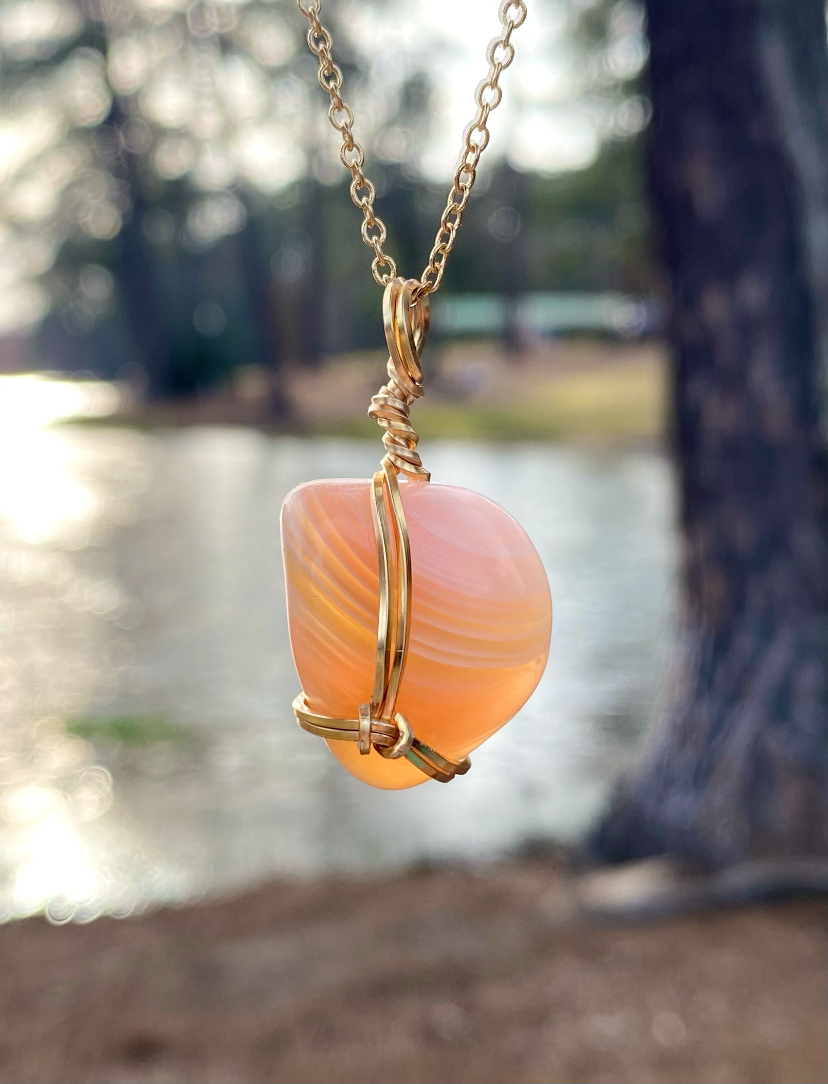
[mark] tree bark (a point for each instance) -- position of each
(737, 771)
(261, 297)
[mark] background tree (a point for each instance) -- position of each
(737, 171)
(173, 205)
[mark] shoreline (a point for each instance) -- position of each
(590, 392)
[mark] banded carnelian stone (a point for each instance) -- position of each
(481, 615)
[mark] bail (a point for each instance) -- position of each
(379, 727)
(405, 317)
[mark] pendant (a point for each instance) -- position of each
(419, 614)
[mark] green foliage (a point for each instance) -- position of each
(147, 203)
(139, 730)
(618, 403)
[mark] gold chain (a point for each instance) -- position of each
(500, 54)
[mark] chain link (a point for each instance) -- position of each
(500, 54)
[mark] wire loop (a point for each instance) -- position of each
(379, 726)
(406, 326)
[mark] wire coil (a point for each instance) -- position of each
(406, 324)
(378, 725)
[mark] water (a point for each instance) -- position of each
(148, 751)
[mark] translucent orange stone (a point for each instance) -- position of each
(481, 615)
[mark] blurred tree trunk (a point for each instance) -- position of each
(136, 279)
(261, 297)
(135, 271)
(514, 185)
(737, 149)
(312, 301)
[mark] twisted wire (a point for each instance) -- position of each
(379, 726)
(406, 326)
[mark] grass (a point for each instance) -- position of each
(139, 730)
(615, 404)
(592, 391)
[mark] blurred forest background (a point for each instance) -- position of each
(174, 213)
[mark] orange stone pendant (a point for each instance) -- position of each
(481, 615)
(419, 614)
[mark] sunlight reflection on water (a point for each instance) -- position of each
(147, 749)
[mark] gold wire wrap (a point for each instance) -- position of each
(379, 726)
(406, 327)
(405, 316)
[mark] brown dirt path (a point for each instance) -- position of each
(437, 977)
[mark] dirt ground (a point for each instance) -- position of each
(436, 976)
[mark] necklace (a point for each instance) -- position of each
(419, 615)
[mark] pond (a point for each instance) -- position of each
(148, 751)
